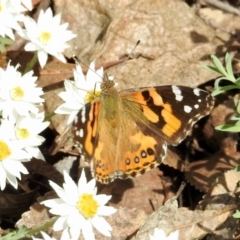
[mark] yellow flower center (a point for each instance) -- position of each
(45, 37)
(87, 205)
(1, 8)
(91, 95)
(17, 93)
(22, 133)
(5, 151)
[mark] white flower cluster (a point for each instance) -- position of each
(79, 207)
(46, 36)
(20, 124)
(20, 98)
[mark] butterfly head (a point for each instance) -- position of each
(106, 84)
(96, 92)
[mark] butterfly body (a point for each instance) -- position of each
(125, 133)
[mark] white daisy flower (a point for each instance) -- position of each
(79, 208)
(11, 156)
(80, 91)
(26, 130)
(18, 94)
(46, 36)
(160, 234)
(9, 14)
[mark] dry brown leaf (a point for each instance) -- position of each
(164, 39)
(129, 193)
(55, 72)
(220, 19)
(223, 191)
(86, 18)
(36, 216)
(191, 224)
(125, 222)
(223, 194)
(173, 160)
(220, 115)
(217, 204)
(170, 52)
(203, 173)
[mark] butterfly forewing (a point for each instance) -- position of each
(170, 111)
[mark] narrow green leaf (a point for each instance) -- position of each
(228, 61)
(235, 118)
(228, 128)
(213, 69)
(237, 82)
(223, 89)
(16, 235)
(218, 65)
(216, 84)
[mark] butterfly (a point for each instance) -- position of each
(124, 134)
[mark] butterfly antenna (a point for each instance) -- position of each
(128, 57)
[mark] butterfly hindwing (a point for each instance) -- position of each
(85, 129)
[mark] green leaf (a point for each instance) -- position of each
(223, 89)
(228, 128)
(235, 118)
(237, 123)
(219, 65)
(237, 169)
(213, 69)
(217, 82)
(18, 234)
(236, 214)
(6, 41)
(228, 61)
